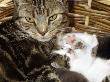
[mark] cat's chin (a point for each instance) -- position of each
(43, 39)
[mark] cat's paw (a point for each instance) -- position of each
(67, 60)
(60, 61)
(53, 78)
(106, 79)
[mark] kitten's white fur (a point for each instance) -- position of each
(83, 60)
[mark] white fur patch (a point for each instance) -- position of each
(82, 59)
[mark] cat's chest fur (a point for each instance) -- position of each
(23, 51)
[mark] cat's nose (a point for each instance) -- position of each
(42, 31)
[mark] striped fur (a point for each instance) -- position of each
(27, 40)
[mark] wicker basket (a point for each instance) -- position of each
(92, 16)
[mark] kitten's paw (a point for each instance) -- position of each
(106, 79)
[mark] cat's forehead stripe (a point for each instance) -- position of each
(40, 3)
(46, 7)
(41, 8)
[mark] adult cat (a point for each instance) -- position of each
(27, 40)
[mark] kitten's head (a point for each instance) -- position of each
(80, 43)
(41, 19)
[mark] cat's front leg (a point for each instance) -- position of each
(106, 79)
(60, 61)
(43, 74)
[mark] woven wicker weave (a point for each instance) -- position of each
(92, 16)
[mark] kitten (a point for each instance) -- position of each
(81, 49)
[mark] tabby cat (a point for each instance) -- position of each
(27, 40)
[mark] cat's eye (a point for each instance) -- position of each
(29, 19)
(53, 17)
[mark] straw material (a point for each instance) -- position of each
(92, 16)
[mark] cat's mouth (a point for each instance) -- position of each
(47, 37)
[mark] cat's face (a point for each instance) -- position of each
(42, 19)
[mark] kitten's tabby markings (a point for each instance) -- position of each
(27, 40)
